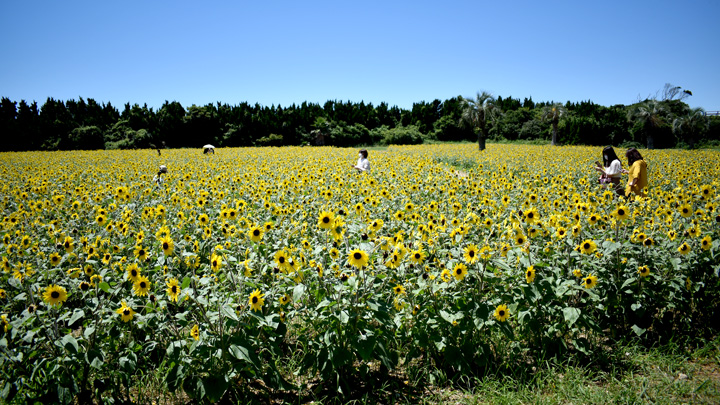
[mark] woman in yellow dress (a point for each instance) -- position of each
(637, 175)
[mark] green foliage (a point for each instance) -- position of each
(409, 135)
(338, 123)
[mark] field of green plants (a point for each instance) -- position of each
(257, 271)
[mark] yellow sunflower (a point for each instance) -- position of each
(358, 258)
(501, 313)
(173, 289)
(326, 220)
(471, 254)
(256, 300)
(255, 234)
(141, 286)
(126, 313)
(530, 274)
(167, 245)
(54, 295)
(590, 281)
(588, 246)
(459, 271)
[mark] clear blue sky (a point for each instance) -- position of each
(399, 52)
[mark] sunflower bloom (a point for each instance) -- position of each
(215, 262)
(621, 212)
(399, 289)
(142, 286)
(126, 313)
(471, 254)
(590, 281)
(459, 271)
(358, 258)
(133, 272)
(173, 289)
(706, 243)
(54, 295)
(530, 274)
(644, 271)
(684, 248)
(588, 246)
(255, 234)
(256, 300)
(501, 313)
(326, 220)
(167, 245)
(195, 332)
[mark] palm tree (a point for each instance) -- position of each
(650, 115)
(691, 126)
(477, 112)
(553, 113)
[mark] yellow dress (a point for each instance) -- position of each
(638, 171)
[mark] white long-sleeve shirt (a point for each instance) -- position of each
(363, 165)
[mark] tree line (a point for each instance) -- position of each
(87, 124)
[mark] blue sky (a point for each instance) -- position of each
(399, 52)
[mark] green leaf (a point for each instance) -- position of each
(638, 330)
(88, 331)
(344, 317)
(215, 387)
(94, 358)
(186, 283)
(298, 292)
(69, 343)
(174, 377)
(229, 311)
(635, 306)
(77, 314)
(104, 286)
(571, 315)
(240, 353)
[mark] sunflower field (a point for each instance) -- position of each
(273, 269)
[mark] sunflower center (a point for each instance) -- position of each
(501, 313)
(621, 212)
(55, 295)
(256, 233)
(586, 246)
(166, 246)
(357, 256)
(173, 289)
(326, 220)
(471, 253)
(281, 259)
(254, 300)
(126, 311)
(143, 285)
(458, 271)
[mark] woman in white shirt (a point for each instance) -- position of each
(363, 164)
(611, 169)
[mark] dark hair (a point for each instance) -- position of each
(610, 152)
(633, 155)
(364, 153)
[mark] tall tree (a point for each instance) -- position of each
(649, 115)
(691, 127)
(553, 113)
(477, 112)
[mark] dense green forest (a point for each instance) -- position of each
(87, 124)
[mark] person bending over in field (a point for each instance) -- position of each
(158, 177)
(363, 164)
(610, 170)
(637, 175)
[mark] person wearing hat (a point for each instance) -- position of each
(158, 177)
